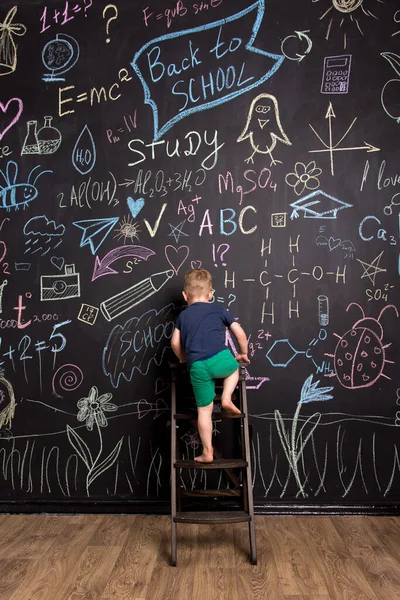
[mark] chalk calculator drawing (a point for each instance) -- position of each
(214, 78)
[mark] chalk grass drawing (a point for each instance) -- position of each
(304, 177)
(8, 48)
(294, 442)
(360, 357)
(92, 410)
(263, 127)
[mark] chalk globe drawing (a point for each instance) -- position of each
(360, 356)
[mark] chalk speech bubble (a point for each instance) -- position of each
(212, 68)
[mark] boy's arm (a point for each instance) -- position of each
(176, 345)
(241, 337)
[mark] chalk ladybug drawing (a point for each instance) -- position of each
(15, 194)
(360, 356)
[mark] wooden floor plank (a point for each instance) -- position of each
(134, 568)
(12, 572)
(93, 571)
(342, 575)
(51, 575)
(118, 557)
(368, 550)
(297, 573)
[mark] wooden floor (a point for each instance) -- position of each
(104, 557)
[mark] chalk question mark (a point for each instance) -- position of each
(224, 248)
(233, 299)
(108, 40)
(87, 5)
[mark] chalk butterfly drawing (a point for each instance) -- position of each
(14, 195)
(360, 356)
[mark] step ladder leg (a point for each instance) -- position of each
(173, 471)
(248, 483)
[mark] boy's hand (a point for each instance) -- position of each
(242, 358)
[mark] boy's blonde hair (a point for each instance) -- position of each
(197, 282)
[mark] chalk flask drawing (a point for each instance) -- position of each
(8, 48)
(120, 303)
(45, 141)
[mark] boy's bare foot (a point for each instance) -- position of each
(230, 408)
(204, 458)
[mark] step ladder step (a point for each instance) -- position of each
(220, 463)
(211, 493)
(222, 516)
(216, 416)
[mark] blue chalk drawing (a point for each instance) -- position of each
(95, 231)
(84, 152)
(318, 205)
(278, 59)
(135, 206)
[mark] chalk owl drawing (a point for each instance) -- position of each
(360, 356)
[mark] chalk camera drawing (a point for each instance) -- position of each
(60, 287)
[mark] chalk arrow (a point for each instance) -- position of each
(301, 35)
(127, 182)
(367, 147)
(102, 267)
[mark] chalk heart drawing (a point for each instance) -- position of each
(161, 386)
(135, 206)
(161, 407)
(58, 262)
(143, 408)
(334, 243)
(174, 255)
(14, 108)
(196, 264)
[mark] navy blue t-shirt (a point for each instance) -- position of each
(202, 326)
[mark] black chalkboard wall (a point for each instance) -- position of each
(261, 141)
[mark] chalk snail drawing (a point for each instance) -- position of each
(359, 357)
(14, 195)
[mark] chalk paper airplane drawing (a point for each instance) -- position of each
(95, 231)
(318, 205)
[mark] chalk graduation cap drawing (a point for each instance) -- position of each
(318, 205)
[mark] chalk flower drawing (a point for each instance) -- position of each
(304, 177)
(294, 442)
(91, 410)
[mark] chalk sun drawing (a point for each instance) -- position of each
(226, 84)
(360, 356)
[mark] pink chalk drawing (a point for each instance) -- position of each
(360, 357)
(181, 255)
(260, 380)
(14, 117)
(68, 378)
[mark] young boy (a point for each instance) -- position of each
(199, 340)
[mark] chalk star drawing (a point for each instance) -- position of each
(331, 147)
(177, 231)
(372, 269)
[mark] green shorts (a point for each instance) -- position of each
(203, 374)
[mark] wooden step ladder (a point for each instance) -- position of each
(242, 489)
